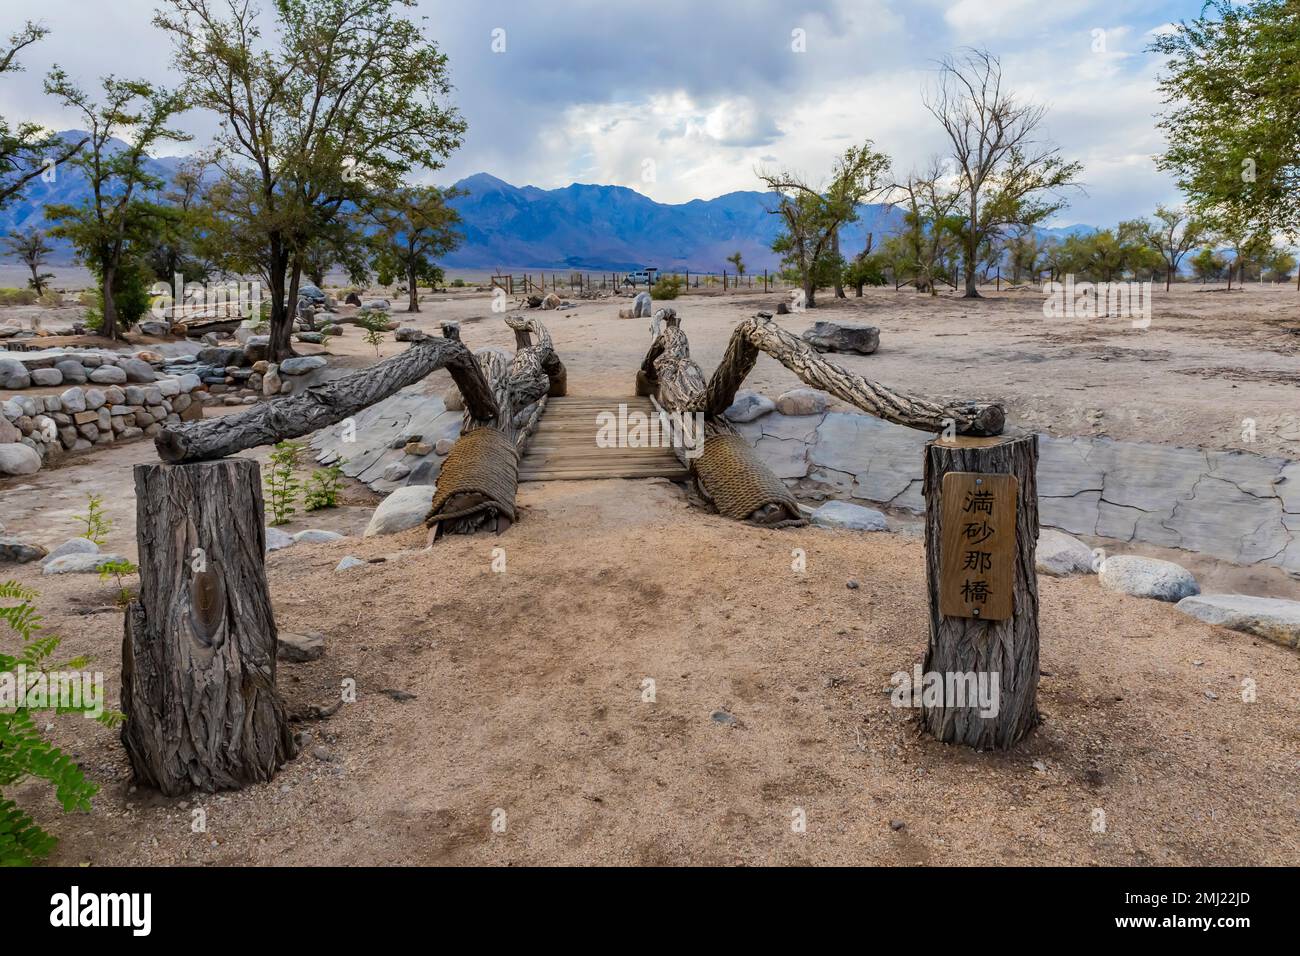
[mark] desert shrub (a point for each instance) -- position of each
(282, 485)
(17, 296)
(24, 751)
(458, 283)
(116, 569)
(322, 489)
(375, 324)
(667, 287)
(50, 299)
(97, 523)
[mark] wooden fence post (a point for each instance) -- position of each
(981, 533)
(198, 654)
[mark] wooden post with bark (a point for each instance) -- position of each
(1003, 545)
(198, 655)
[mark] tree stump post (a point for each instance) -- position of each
(198, 655)
(1005, 649)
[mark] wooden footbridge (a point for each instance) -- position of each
(565, 447)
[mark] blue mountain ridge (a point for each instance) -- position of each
(582, 226)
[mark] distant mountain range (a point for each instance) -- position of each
(581, 226)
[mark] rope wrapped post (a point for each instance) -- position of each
(728, 473)
(979, 553)
(478, 481)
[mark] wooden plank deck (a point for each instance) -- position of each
(564, 445)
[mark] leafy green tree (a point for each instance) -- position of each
(111, 230)
(28, 149)
(29, 247)
(179, 242)
(1278, 264)
(340, 101)
(416, 226)
(931, 224)
(1174, 234)
(1231, 124)
(1208, 265)
(813, 216)
(1006, 176)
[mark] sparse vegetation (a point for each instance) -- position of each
(666, 287)
(96, 522)
(322, 489)
(282, 484)
(116, 569)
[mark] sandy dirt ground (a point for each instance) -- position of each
(770, 685)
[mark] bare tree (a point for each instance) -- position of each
(29, 247)
(1007, 176)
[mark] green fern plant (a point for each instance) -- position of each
(24, 752)
(323, 487)
(96, 521)
(282, 484)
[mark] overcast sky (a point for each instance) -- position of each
(682, 100)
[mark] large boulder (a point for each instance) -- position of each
(317, 536)
(1147, 577)
(802, 401)
(748, 406)
(1271, 618)
(221, 356)
(404, 508)
(13, 374)
(46, 377)
(277, 539)
(642, 305)
(18, 459)
(312, 293)
(848, 337)
(15, 551)
(1060, 555)
(842, 514)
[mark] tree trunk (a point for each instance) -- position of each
(198, 655)
(839, 276)
(280, 346)
(320, 405)
(761, 333)
(809, 294)
(413, 304)
(961, 645)
(109, 328)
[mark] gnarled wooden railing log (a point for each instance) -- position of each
(323, 405)
(519, 388)
(762, 334)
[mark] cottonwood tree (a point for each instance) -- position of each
(931, 220)
(1232, 126)
(813, 216)
(415, 227)
(1007, 176)
(1173, 235)
(29, 247)
(340, 102)
(28, 149)
(109, 229)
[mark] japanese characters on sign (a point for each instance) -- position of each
(978, 546)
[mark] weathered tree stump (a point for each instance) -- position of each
(198, 655)
(1006, 648)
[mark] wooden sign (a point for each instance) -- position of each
(978, 546)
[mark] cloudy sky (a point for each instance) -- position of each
(683, 100)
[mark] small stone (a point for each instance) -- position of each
(1060, 555)
(322, 754)
(748, 405)
(896, 825)
(277, 539)
(418, 449)
(80, 563)
(721, 716)
(395, 472)
(349, 562)
(73, 546)
(403, 509)
(846, 337)
(444, 446)
(317, 536)
(301, 365)
(851, 584)
(46, 377)
(842, 514)
(802, 401)
(19, 459)
(300, 648)
(109, 375)
(1147, 577)
(16, 551)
